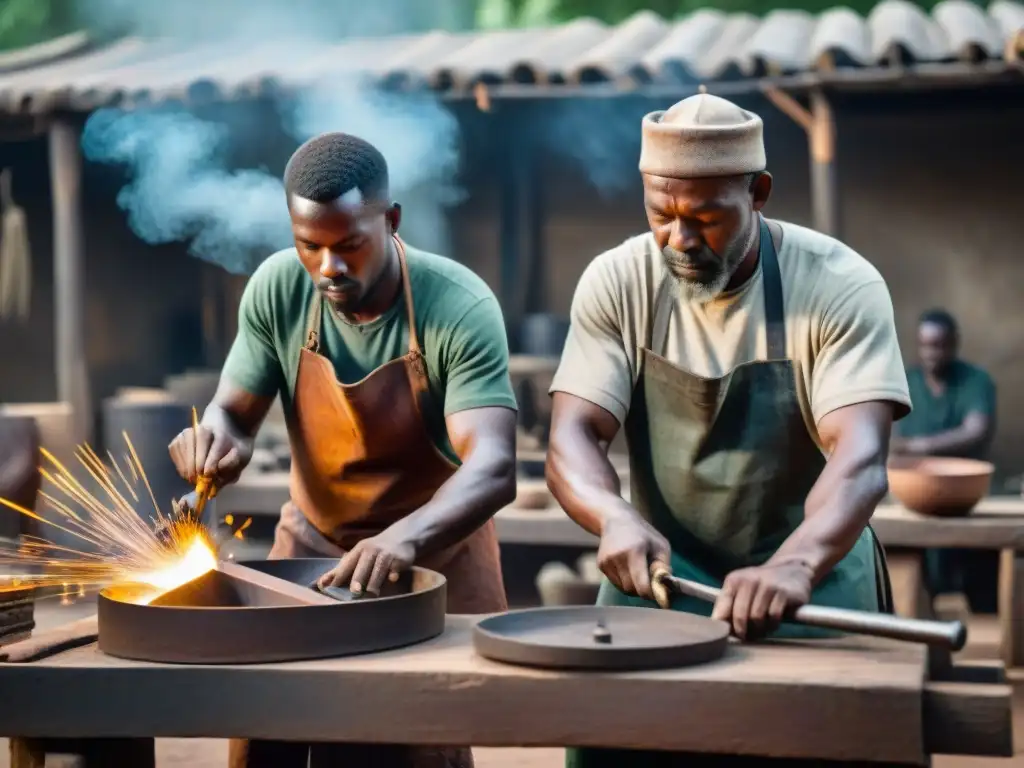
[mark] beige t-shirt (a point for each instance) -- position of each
(840, 331)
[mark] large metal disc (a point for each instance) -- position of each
(600, 637)
(227, 618)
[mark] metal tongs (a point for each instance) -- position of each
(193, 504)
(205, 488)
(948, 635)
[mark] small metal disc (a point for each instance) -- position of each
(598, 637)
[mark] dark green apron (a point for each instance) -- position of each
(722, 468)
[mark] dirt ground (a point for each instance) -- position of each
(212, 753)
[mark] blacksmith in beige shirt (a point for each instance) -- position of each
(754, 367)
(840, 332)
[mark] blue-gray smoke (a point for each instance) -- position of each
(181, 184)
(179, 188)
(601, 137)
(415, 132)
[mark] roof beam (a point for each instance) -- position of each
(819, 124)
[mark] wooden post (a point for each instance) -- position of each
(69, 274)
(27, 753)
(1011, 607)
(824, 185)
(514, 192)
(909, 591)
(819, 124)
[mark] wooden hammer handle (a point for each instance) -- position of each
(951, 635)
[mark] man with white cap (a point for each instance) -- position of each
(754, 367)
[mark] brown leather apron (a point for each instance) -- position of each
(363, 458)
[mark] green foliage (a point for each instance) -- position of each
(26, 22)
(516, 13)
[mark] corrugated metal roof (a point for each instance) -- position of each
(705, 46)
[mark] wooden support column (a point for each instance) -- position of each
(522, 278)
(69, 274)
(1011, 607)
(819, 124)
(909, 591)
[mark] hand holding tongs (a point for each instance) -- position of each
(951, 635)
(205, 488)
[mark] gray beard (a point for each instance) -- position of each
(719, 271)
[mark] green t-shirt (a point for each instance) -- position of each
(969, 390)
(458, 319)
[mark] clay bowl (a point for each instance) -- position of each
(940, 487)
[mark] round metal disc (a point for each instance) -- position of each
(218, 619)
(600, 637)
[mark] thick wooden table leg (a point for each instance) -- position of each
(27, 753)
(1011, 607)
(909, 591)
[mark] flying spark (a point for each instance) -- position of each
(119, 545)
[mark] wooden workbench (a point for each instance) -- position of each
(996, 523)
(848, 699)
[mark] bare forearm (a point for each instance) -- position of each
(585, 484)
(836, 512)
(479, 488)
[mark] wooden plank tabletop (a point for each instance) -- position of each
(996, 523)
(851, 699)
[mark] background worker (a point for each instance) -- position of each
(954, 415)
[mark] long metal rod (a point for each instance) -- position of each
(945, 634)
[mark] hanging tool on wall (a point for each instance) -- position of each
(15, 256)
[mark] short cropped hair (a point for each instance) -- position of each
(941, 318)
(331, 164)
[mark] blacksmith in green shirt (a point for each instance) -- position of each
(392, 367)
(954, 415)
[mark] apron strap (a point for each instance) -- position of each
(313, 324)
(774, 309)
(659, 310)
(883, 583)
(316, 310)
(414, 340)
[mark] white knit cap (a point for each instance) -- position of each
(702, 135)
